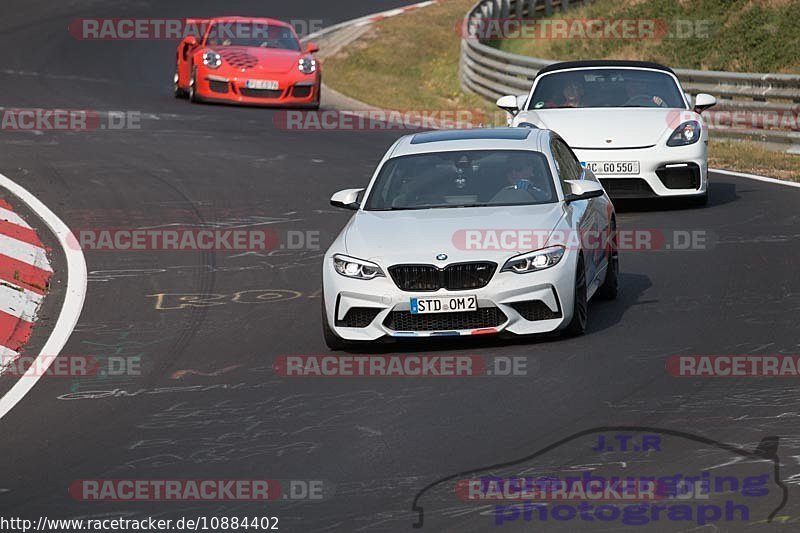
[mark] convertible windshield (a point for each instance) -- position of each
(472, 178)
(255, 34)
(606, 87)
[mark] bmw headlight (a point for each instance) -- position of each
(212, 59)
(686, 133)
(350, 267)
(534, 261)
(307, 65)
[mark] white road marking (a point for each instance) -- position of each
(756, 177)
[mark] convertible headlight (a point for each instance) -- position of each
(686, 133)
(351, 267)
(307, 65)
(534, 261)
(212, 59)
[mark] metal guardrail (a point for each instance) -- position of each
(492, 73)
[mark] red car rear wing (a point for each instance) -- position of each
(196, 27)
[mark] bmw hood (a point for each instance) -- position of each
(462, 234)
(613, 127)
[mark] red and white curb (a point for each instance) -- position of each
(24, 275)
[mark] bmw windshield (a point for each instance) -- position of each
(455, 179)
(606, 87)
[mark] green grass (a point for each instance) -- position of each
(410, 62)
(743, 36)
(750, 157)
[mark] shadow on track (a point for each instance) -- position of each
(719, 193)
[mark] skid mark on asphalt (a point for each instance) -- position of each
(231, 430)
(117, 345)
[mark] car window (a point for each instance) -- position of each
(568, 166)
(252, 34)
(606, 87)
(464, 178)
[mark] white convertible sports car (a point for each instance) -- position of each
(467, 232)
(630, 122)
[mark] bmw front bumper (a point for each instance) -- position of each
(535, 302)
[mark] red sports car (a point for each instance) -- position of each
(256, 61)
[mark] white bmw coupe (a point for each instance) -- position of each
(630, 122)
(468, 232)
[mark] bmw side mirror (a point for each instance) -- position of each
(583, 190)
(312, 48)
(347, 199)
(190, 41)
(703, 101)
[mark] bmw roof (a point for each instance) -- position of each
(484, 134)
(471, 139)
(564, 65)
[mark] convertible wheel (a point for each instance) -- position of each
(581, 309)
(608, 290)
(333, 341)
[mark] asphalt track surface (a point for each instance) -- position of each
(376, 442)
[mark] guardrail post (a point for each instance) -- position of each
(548, 7)
(529, 9)
(519, 6)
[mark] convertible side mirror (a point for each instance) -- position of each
(190, 41)
(583, 190)
(509, 104)
(347, 199)
(312, 48)
(703, 101)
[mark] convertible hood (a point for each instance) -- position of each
(628, 127)
(391, 237)
(265, 60)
